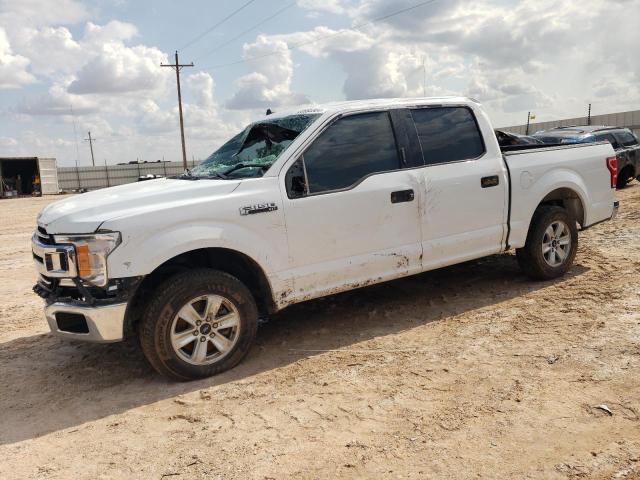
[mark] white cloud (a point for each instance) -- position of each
(52, 50)
(513, 56)
(35, 13)
(57, 101)
(269, 85)
(113, 31)
(119, 69)
(13, 68)
(201, 86)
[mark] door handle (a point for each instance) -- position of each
(492, 181)
(402, 196)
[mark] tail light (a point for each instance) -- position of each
(612, 166)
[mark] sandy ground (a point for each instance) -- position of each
(468, 372)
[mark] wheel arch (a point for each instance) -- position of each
(230, 261)
(569, 199)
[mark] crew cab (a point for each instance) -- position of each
(304, 204)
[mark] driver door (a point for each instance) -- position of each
(351, 210)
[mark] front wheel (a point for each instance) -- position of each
(199, 323)
(551, 246)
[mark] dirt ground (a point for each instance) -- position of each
(467, 372)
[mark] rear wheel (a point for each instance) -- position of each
(551, 245)
(199, 323)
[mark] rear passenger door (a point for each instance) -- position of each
(464, 187)
(351, 209)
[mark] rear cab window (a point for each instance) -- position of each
(448, 134)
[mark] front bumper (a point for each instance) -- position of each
(96, 323)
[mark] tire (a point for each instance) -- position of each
(552, 264)
(187, 304)
(623, 178)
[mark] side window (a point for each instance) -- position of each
(350, 149)
(447, 134)
(626, 138)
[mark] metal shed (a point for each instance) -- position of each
(20, 176)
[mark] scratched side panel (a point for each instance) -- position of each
(341, 240)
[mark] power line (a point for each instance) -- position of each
(309, 42)
(286, 7)
(210, 29)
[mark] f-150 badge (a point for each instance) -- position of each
(258, 208)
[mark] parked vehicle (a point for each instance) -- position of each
(304, 204)
(149, 176)
(623, 140)
(509, 139)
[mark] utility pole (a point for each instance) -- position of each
(528, 120)
(177, 66)
(589, 116)
(90, 140)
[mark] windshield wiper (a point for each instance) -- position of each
(240, 166)
(215, 175)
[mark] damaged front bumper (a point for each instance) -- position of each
(74, 308)
(87, 314)
(97, 323)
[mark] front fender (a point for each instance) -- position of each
(142, 255)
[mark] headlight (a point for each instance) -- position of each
(91, 254)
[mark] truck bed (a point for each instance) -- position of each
(539, 172)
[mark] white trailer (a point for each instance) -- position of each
(48, 169)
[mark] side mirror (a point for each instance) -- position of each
(295, 180)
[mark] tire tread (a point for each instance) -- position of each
(150, 340)
(530, 258)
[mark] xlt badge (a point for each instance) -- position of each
(258, 208)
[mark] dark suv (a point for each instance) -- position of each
(624, 142)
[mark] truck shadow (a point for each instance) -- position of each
(47, 384)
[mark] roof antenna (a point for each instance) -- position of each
(269, 112)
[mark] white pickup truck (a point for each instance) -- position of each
(304, 204)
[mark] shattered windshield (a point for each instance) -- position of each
(252, 151)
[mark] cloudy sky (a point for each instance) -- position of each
(100, 59)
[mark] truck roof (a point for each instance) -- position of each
(355, 105)
(583, 128)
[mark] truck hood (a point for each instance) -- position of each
(84, 213)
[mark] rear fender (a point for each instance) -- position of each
(529, 200)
